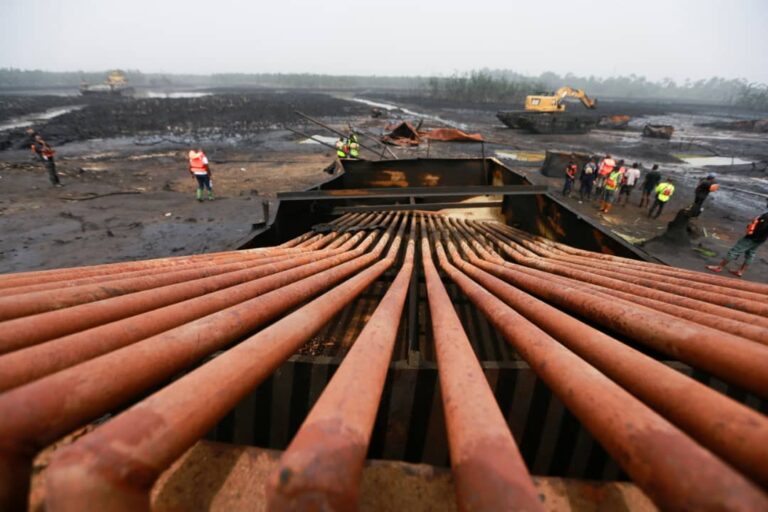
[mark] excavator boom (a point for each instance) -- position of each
(554, 102)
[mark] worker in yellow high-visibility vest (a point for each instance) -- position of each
(662, 193)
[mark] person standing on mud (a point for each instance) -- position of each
(663, 193)
(606, 166)
(342, 147)
(587, 178)
(756, 235)
(570, 176)
(611, 184)
(199, 168)
(649, 184)
(45, 154)
(703, 189)
(354, 146)
(628, 182)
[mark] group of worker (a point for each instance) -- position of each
(607, 176)
(609, 181)
(348, 147)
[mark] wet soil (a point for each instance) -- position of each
(216, 116)
(140, 206)
(127, 193)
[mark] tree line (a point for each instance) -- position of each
(486, 85)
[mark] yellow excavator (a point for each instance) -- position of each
(116, 84)
(546, 113)
(554, 103)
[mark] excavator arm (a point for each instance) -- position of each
(554, 103)
(576, 93)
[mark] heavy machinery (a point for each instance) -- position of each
(546, 113)
(116, 84)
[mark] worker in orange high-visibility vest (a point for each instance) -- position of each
(199, 168)
(663, 193)
(604, 168)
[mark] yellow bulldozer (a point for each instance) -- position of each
(546, 113)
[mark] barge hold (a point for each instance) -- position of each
(414, 334)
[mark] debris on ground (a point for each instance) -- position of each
(404, 134)
(658, 131)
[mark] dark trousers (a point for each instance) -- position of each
(51, 166)
(567, 187)
(203, 181)
(656, 204)
(585, 190)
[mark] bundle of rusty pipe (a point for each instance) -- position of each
(77, 344)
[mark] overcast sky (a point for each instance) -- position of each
(655, 38)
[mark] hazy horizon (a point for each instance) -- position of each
(680, 40)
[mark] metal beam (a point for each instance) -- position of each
(413, 207)
(394, 192)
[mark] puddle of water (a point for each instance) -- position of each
(523, 156)
(703, 161)
(389, 106)
(321, 138)
(173, 95)
(30, 119)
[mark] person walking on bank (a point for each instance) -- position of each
(587, 178)
(628, 183)
(570, 176)
(756, 235)
(44, 153)
(703, 189)
(649, 184)
(199, 168)
(663, 192)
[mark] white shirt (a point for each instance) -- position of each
(632, 176)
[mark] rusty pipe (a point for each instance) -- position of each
(488, 470)
(35, 416)
(653, 267)
(651, 277)
(732, 358)
(38, 302)
(676, 472)
(163, 310)
(113, 468)
(72, 273)
(518, 255)
(745, 330)
(104, 279)
(321, 468)
(741, 301)
(730, 429)
(17, 306)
